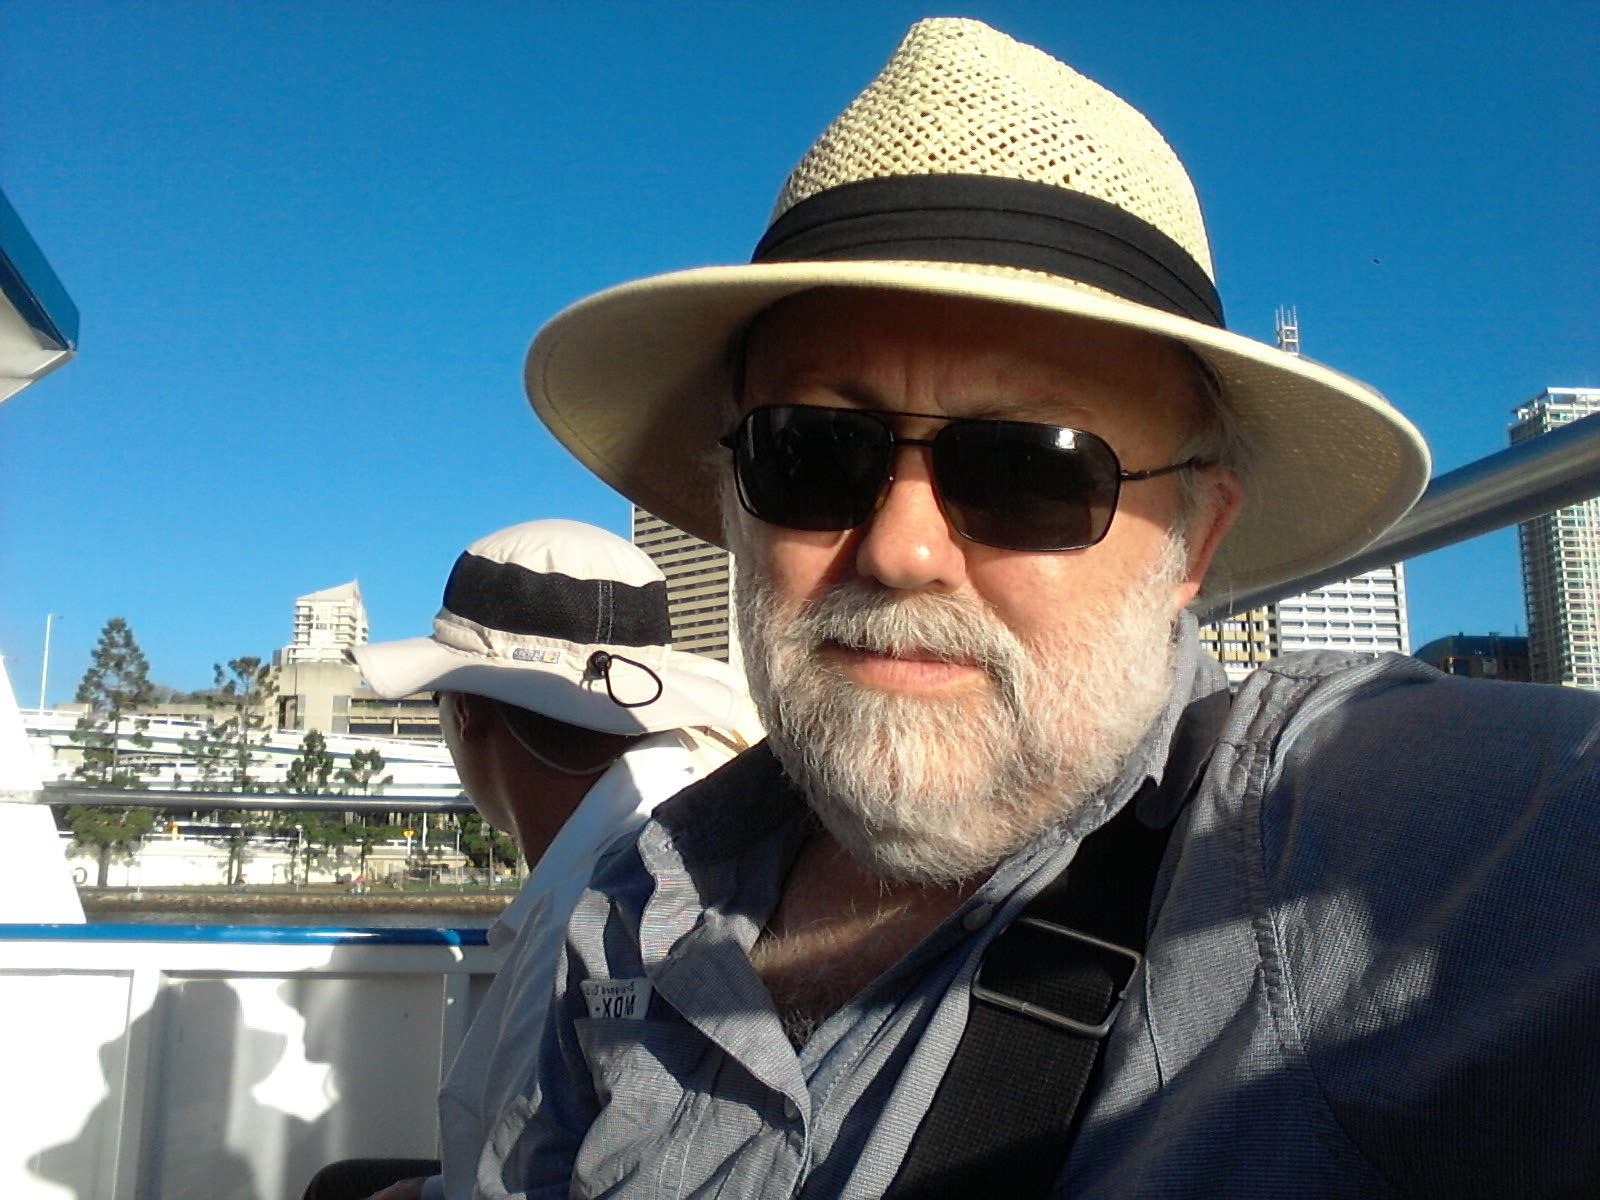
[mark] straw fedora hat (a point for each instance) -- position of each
(568, 621)
(975, 166)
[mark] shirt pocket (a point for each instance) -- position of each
(644, 1075)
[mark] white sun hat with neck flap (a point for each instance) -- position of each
(975, 166)
(568, 621)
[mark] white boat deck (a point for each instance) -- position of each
(147, 1062)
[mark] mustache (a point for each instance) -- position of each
(863, 616)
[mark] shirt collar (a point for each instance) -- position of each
(650, 770)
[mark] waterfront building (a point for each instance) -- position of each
(421, 766)
(1479, 656)
(1561, 558)
(699, 587)
(318, 687)
(333, 698)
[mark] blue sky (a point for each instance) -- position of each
(311, 241)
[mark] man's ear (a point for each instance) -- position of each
(1224, 496)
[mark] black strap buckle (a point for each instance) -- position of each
(1122, 961)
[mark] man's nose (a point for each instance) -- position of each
(908, 544)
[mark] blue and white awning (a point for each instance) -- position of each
(38, 320)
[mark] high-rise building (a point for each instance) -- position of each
(1561, 559)
(699, 587)
(1242, 642)
(1366, 614)
(326, 624)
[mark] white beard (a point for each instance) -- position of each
(931, 790)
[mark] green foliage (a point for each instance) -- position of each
(243, 826)
(169, 695)
(109, 830)
(324, 836)
(484, 845)
(365, 833)
(310, 836)
(309, 773)
(363, 771)
(115, 687)
(224, 751)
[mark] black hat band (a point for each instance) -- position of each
(998, 222)
(589, 612)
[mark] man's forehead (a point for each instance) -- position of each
(999, 361)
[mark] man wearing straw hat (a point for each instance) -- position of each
(569, 718)
(1013, 901)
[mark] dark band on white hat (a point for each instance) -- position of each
(513, 599)
(999, 222)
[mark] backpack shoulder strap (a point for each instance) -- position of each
(1047, 993)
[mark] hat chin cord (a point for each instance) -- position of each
(555, 766)
(599, 667)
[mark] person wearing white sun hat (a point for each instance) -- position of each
(1015, 900)
(569, 718)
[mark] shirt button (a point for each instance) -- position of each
(791, 1110)
(977, 918)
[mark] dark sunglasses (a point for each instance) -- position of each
(1013, 485)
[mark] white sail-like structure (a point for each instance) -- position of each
(36, 885)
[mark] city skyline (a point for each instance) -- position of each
(310, 244)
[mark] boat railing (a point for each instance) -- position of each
(1534, 477)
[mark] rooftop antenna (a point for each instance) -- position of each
(1287, 321)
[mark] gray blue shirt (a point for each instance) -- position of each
(1374, 970)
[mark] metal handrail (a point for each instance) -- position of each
(1527, 480)
(176, 801)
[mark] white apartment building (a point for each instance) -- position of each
(326, 624)
(1366, 614)
(1561, 559)
(318, 687)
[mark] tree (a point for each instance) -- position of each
(108, 829)
(309, 773)
(484, 845)
(363, 771)
(242, 828)
(115, 687)
(367, 835)
(224, 751)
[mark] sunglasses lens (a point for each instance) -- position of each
(1020, 486)
(811, 468)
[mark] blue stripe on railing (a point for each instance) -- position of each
(277, 935)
